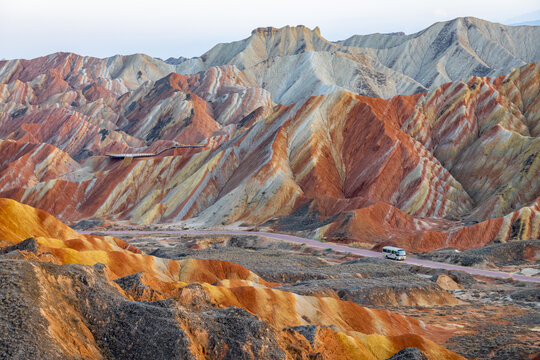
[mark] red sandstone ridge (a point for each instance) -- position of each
(454, 167)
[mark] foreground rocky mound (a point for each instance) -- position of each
(68, 295)
(495, 319)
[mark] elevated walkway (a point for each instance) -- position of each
(144, 155)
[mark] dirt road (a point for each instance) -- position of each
(342, 248)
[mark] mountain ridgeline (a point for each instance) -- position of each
(380, 65)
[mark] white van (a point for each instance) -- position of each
(394, 253)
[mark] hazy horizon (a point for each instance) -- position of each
(165, 28)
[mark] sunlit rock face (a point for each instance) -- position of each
(99, 297)
(285, 140)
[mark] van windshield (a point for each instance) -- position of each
(401, 252)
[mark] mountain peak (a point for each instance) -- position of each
(270, 30)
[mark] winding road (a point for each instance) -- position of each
(342, 248)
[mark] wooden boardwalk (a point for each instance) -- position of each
(143, 155)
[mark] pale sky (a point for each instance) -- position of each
(165, 28)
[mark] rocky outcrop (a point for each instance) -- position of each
(29, 244)
(409, 354)
(447, 283)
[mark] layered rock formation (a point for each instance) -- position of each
(286, 139)
(453, 167)
(92, 297)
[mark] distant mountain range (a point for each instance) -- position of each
(529, 23)
(531, 19)
(381, 65)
